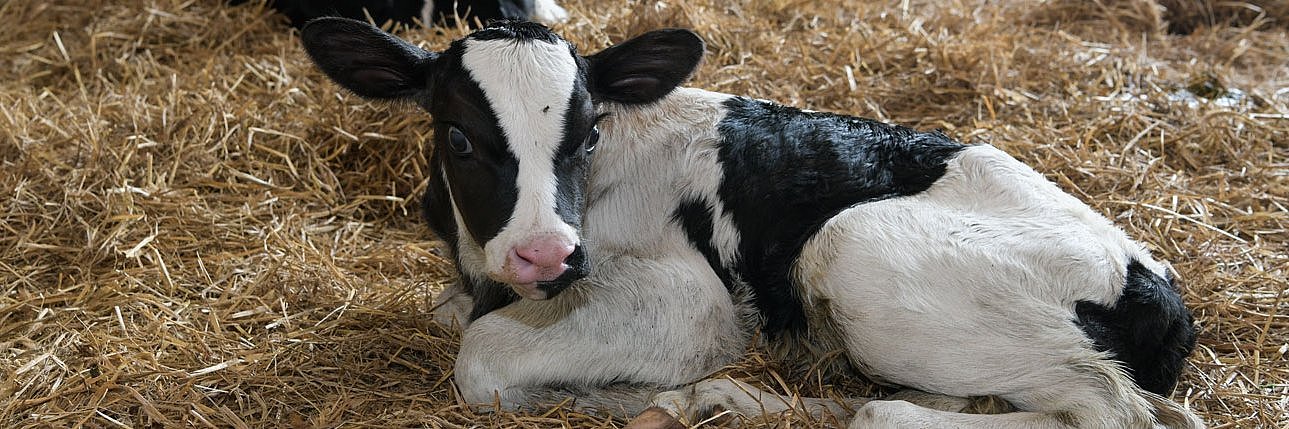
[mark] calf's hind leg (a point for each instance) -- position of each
(700, 400)
(1119, 405)
(703, 399)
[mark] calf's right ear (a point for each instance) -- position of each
(366, 60)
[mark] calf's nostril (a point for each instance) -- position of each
(549, 254)
(521, 257)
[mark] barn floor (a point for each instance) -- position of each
(199, 230)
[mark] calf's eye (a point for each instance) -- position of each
(592, 139)
(458, 142)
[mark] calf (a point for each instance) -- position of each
(651, 229)
(413, 12)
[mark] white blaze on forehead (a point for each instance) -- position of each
(528, 84)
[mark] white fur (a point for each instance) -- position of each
(978, 277)
(452, 306)
(701, 179)
(665, 154)
(548, 12)
(989, 220)
(528, 84)
(632, 321)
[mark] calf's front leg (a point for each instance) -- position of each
(452, 306)
(608, 345)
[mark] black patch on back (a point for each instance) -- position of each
(1148, 328)
(787, 171)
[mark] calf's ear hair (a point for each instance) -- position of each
(366, 60)
(646, 68)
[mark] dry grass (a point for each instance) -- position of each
(199, 230)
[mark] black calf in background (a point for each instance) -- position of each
(407, 12)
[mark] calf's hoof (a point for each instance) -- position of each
(654, 418)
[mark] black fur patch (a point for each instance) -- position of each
(571, 163)
(787, 171)
(381, 11)
(436, 207)
(1148, 329)
(488, 296)
(646, 68)
(515, 29)
(406, 12)
(481, 10)
(695, 217)
(484, 182)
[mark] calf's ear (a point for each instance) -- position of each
(366, 60)
(646, 68)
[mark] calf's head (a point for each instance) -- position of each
(515, 112)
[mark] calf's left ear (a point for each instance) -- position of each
(646, 68)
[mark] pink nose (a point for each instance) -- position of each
(540, 260)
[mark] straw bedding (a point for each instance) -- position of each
(199, 230)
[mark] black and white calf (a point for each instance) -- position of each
(652, 229)
(412, 12)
